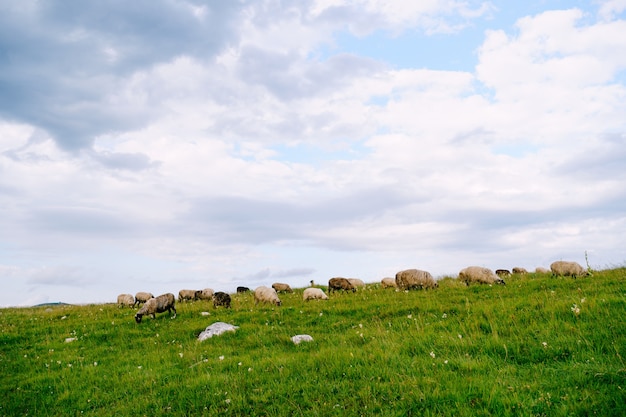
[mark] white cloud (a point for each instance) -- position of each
(611, 8)
(257, 159)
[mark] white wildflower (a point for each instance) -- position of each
(544, 344)
(221, 357)
(444, 315)
(410, 316)
(576, 309)
(432, 354)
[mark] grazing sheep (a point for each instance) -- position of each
(414, 278)
(388, 282)
(125, 300)
(503, 272)
(519, 270)
(243, 289)
(184, 295)
(206, 294)
(280, 287)
(221, 299)
(266, 295)
(314, 294)
(142, 297)
(357, 283)
(479, 275)
(337, 283)
(542, 270)
(160, 304)
(564, 268)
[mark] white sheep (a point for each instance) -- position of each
(388, 282)
(142, 297)
(415, 278)
(160, 304)
(357, 283)
(125, 300)
(479, 275)
(542, 270)
(314, 294)
(206, 294)
(266, 295)
(519, 270)
(564, 268)
(184, 295)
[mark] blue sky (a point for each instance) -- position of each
(167, 145)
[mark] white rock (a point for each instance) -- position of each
(301, 338)
(216, 329)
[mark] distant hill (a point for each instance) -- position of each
(51, 304)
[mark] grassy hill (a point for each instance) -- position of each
(539, 346)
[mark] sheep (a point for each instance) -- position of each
(388, 282)
(564, 268)
(480, 275)
(338, 283)
(221, 299)
(206, 294)
(266, 295)
(184, 295)
(541, 270)
(243, 289)
(414, 278)
(160, 304)
(357, 283)
(142, 297)
(503, 272)
(519, 270)
(280, 287)
(314, 294)
(125, 300)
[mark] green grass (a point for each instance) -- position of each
(514, 350)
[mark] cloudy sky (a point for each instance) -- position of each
(160, 145)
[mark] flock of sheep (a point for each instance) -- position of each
(404, 280)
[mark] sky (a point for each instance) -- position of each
(170, 144)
